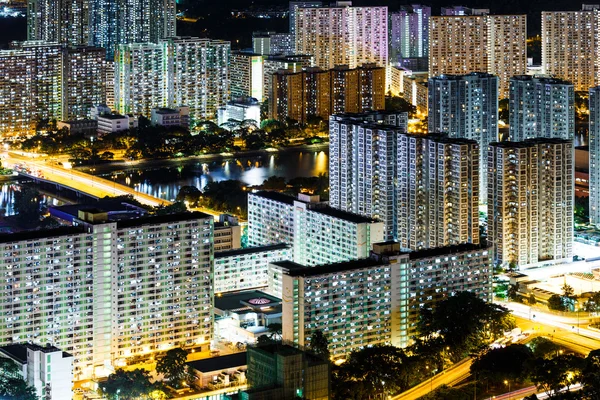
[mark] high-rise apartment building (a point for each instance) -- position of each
(530, 201)
(343, 35)
(362, 165)
(375, 300)
(496, 44)
(409, 33)
(294, 6)
(245, 269)
(318, 233)
(84, 86)
(466, 106)
(438, 191)
(272, 64)
(180, 71)
(594, 155)
(271, 43)
(101, 23)
(541, 107)
(246, 75)
(314, 91)
(570, 47)
(31, 86)
(109, 288)
(64, 22)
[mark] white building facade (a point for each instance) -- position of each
(466, 106)
(318, 233)
(541, 108)
(594, 144)
(116, 288)
(530, 202)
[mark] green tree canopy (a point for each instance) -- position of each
(127, 385)
(319, 344)
(173, 366)
(502, 364)
(12, 385)
(27, 205)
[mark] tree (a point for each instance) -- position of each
(176, 208)
(567, 291)
(502, 364)
(555, 302)
(27, 205)
(513, 291)
(127, 385)
(480, 322)
(319, 344)
(543, 348)
(590, 376)
(275, 332)
(374, 371)
(274, 183)
(12, 385)
(532, 300)
(173, 366)
(551, 375)
(191, 194)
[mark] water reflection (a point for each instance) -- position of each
(7, 199)
(164, 182)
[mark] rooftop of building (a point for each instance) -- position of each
(440, 251)
(162, 219)
(542, 79)
(111, 116)
(289, 265)
(320, 207)
(248, 301)
(103, 205)
(450, 77)
(251, 250)
(18, 351)
(529, 142)
(165, 111)
(40, 234)
(334, 267)
(219, 363)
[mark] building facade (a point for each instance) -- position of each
(530, 202)
(101, 23)
(343, 35)
(570, 47)
(316, 92)
(409, 33)
(47, 369)
(84, 68)
(438, 191)
(375, 300)
(496, 44)
(541, 108)
(115, 289)
(180, 71)
(246, 269)
(246, 72)
(466, 106)
(362, 167)
(594, 155)
(317, 233)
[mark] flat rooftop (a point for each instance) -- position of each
(251, 250)
(219, 363)
(111, 116)
(315, 207)
(40, 234)
(162, 219)
(336, 267)
(250, 299)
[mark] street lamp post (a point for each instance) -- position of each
(506, 382)
(118, 391)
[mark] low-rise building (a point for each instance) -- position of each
(86, 127)
(285, 372)
(179, 116)
(242, 109)
(228, 233)
(222, 372)
(240, 318)
(244, 269)
(108, 123)
(46, 368)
